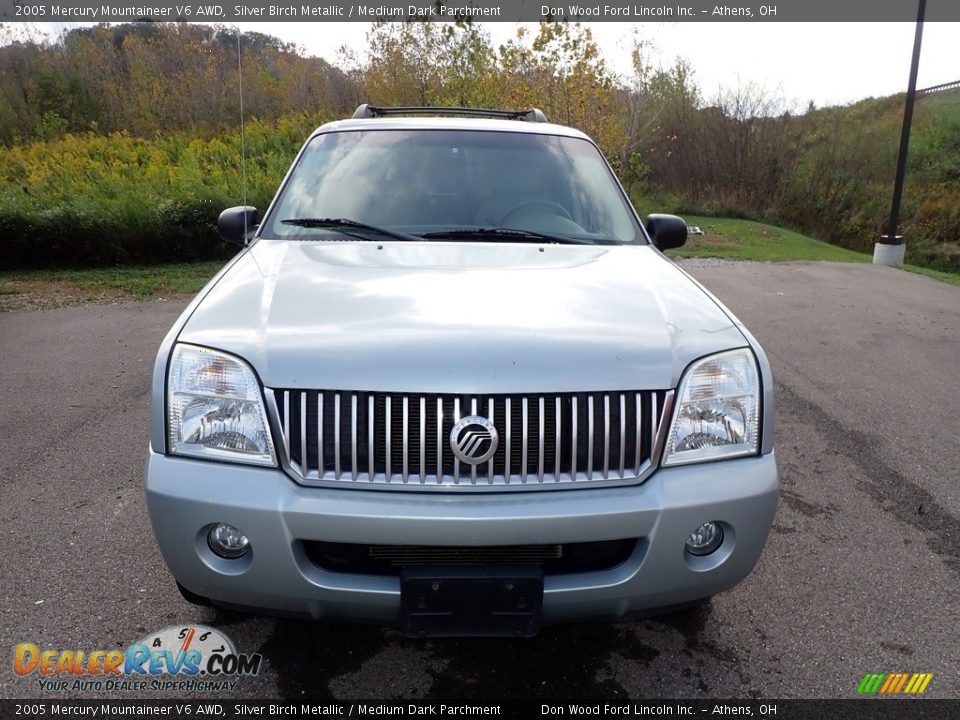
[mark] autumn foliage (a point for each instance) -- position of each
(121, 144)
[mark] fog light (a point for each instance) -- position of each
(705, 539)
(228, 542)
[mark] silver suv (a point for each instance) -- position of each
(451, 384)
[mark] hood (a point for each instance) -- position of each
(460, 317)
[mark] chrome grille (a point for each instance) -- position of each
(402, 440)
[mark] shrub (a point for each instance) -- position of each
(90, 200)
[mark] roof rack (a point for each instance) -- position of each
(372, 111)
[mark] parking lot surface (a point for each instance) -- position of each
(860, 573)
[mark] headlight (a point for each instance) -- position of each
(717, 411)
(215, 408)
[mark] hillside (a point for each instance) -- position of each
(120, 144)
(943, 105)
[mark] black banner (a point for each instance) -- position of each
(858, 11)
(862, 709)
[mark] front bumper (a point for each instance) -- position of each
(185, 497)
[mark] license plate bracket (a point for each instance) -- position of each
(482, 601)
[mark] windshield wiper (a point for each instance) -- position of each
(499, 233)
(345, 225)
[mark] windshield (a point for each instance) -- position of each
(444, 183)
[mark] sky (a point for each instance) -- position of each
(826, 63)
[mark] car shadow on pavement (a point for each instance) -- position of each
(320, 660)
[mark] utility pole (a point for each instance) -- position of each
(890, 249)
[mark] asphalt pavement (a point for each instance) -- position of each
(860, 573)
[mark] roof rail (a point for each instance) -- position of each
(373, 111)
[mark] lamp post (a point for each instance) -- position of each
(890, 249)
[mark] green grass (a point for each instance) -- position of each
(135, 281)
(952, 278)
(733, 239)
(32, 289)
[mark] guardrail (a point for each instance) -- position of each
(940, 88)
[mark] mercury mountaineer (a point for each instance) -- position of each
(451, 384)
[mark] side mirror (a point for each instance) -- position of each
(238, 224)
(667, 231)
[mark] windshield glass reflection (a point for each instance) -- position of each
(428, 181)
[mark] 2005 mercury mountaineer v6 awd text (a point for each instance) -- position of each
(451, 385)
